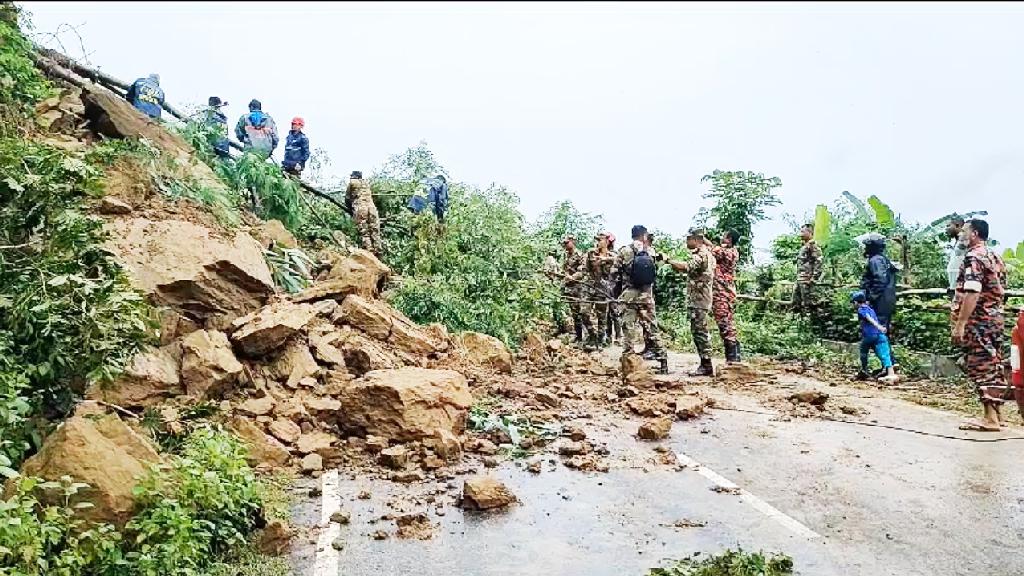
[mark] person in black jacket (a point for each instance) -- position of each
(879, 280)
(296, 148)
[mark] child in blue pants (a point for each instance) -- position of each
(872, 337)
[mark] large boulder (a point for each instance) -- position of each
(107, 456)
(263, 449)
(208, 365)
(371, 316)
(268, 329)
(360, 271)
(488, 351)
(406, 404)
(111, 115)
(186, 266)
(363, 355)
(295, 363)
(151, 378)
(273, 232)
(382, 322)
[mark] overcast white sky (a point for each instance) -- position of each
(619, 107)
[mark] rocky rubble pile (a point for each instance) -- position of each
(303, 379)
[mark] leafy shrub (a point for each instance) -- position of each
(67, 312)
(193, 515)
(21, 84)
(206, 502)
(730, 563)
(49, 540)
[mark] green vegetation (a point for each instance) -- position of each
(68, 316)
(729, 563)
(21, 84)
(479, 270)
(194, 518)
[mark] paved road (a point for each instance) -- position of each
(841, 499)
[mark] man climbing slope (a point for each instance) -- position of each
(359, 198)
(296, 148)
(257, 131)
(146, 95)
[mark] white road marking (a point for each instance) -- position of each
(327, 558)
(765, 508)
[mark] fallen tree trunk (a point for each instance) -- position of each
(99, 77)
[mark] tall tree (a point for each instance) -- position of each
(740, 201)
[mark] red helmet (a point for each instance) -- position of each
(298, 121)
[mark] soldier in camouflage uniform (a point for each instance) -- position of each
(599, 262)
(700, 274)
(723, 302)
(574, 274)
(977, 320)
(359, 199)
(808, 298)
(637, 302)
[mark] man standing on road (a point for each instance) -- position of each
(635, 269)
(957, 250)
(700, 273)
(807, 298)
(359, 198)
(977, 321)
(599, 262)
(723, 304)
(574, 272)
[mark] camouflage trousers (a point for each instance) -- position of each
(722, 308)
(983, 356)
(596, 315)
(809, 300)
(699, 331)
(368, 225)
(638, 316)
(578, 310)
(613, 328)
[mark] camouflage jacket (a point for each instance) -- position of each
(982, 271)
(700, 274)
(599, 268)
(575, 271)
(809, 263)
(725, 270)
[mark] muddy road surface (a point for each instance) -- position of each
(840, 498)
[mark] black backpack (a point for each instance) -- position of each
(642, 271)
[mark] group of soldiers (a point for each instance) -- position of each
(603, 287)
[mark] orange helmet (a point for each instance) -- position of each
(298, 121)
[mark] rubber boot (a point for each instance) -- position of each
(579, 332)
(737, 354)
(663, 366)
(730, 352)
(705, 368)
